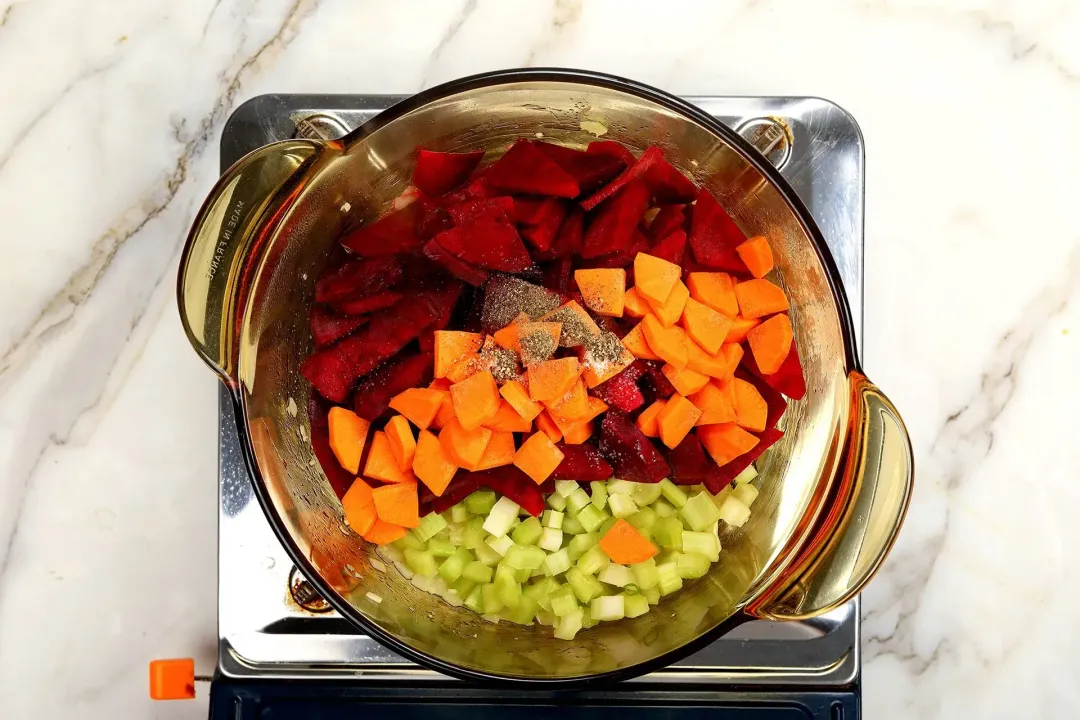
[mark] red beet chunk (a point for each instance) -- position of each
(527, 210)
(432, 219)
(506, 480)
(634, 172)
(340, 478)
(726, 474)
(358, 278)
(526, 170)
(590, 170)
(612, 149)
(458, 268)
(668, 220)
(487, 244)
(373, 394)
(363, 305)
(334, 370)
(689, 463)
(668, 184)
(391, 234)
(463, 485)
(440, 172)
(559, 275)
(505, 296)
(671, 248)
(427, 337)
(582, 462)
(547, 220)
(568, 239)
(499, 209)
(714, 235)
(632, 455)
(612, 229)
(327, 328)
(656, 379)
(789, 379)
(621, 392)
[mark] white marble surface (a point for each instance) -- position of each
(109, 124)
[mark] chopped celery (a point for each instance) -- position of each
(699, 512)
(585, 587)
(541, 591)
(490, 598)
(572, 526)
(509, 592)
(480, 502)
(569, 625)
(635, 605)
(645, 493)
(745, 493)
(551, 539)
(669, 578)
(607, 526)
(598, 497)
(577, 500)
(591, 518)
(409, 541)
(477, 571)
(557, 562)
(587, 620)
(546, 617)
(692, 565)
(474, 600)
(502, 517)
(734, 512)
(645, 575)
(593, 560)
(652, 595)
(701, 543)
(500, 544)
(463, 586)
(564, 488)
(643, 520)
(524, 557)
(663, 508)
(472, 536)
(563, 601)
(620, 487)
(456, 533)
(421, 562)
(525, 611)
(459, 513)
(610, 607)
(556, 501)
(440, 548)
(622, 506)
(452, 567)
(429, 525)
(553, 519)
(580, 543)
(668, 532)
(487, 555)
(528, 532)
(673, 493)
(746, 476)
(615, 574)
(523, 575)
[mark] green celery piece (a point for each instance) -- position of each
(635, 605)
(409, 541)
(700, 512)
(645, 575)
(429, 525)
(509, 591)
(593, 560)
(528, 532)
(473, 535)
(477, 572)
(585, 587)
(667, 531)
(591, 518)
(525, 612)
(491, 600)
(480, 502)
(645, 493)
(673, 493)
(571, 525)
(598, 496)
(440, 548)
(459, 513)
(475, 599)
(421, 562)
(563, 601)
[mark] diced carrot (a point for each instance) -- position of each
(646, 421)
(669, 343)
(348, 435)
(476, 399)
(419, 405)
(676, 420)
(551, 379)
(770, 342)
(757, 255)
(714, 289)
(464, 447)
(465, 368)
(402, 441)
(573, 405)
(381, 463)
(499, 451)
(685, 381)
(518, 397)
(579, 432)
(538, 457)
(440, 384)
(397, 504)
(359, 507)
(431, 464)
(445, 412)
(453, 345)
(602, 289)
(384, 533)
(726, 441)
(538, 341)
(508, 420)
(635, 342)
(597, 365)
(548, 426)
(740, 328)
(577, 326)
(567, 426)
(715, 365)
(705, 326)
(669, 311)
(624, 544)
(655, 277)
(633, 304)
(733, 355)
(508, 336)
(715, 405)
(758, 298)
(750, 408)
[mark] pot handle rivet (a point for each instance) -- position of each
(770, 136)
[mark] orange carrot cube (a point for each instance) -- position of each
(402, 441)
(756, 255)
(551, 379)
(453, 345)
(348, 436)
(655, 277)
(646, 421)
(538, 457)
(431, 464)
(635, 342)
(397, 504)
(758, 298)
(419, 405)
(676, 419)
(685, 381)
(715, 289)
(602, 289)
(715, 405)
(518, 397)
(670, 311)
(359, 507)
(508, 420)
(476, 399)
(705, 326)
(499, 451)
(770, 342)
(634, 304)
(751, 410)
(726, 441)
(669, 343)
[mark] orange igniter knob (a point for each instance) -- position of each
(172, 679)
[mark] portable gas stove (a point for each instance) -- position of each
(283, 653)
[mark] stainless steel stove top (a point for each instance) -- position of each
(263, 631)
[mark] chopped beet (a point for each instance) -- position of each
(612, 229)
(789, 379)
(506, 296)
(634, 172)
(328, 328)
(671, 248)
(363, 305)
(475, 190)
(775, 402)
(590, 170)
(427, 337)
(548, 220)
(581, 462)
(390, 234)
(440, 172)
(526, 170)
(668, 184)
(432, 219)
(621, 392)
(488, 244)
(463, 485)
(621, 259)
(458, 268)
(500, 209)
(358, 278)
(714, 235)
(340, 478)
(632, 455)
(657, 380)
(506, 480)
(559, 275)
(527, 209)
(612, 149)
(373, 394)
(726, 474)
(335, 369)
(567, 241)
(668, 220)
(689, 463)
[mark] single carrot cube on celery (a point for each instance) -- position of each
(538, 457)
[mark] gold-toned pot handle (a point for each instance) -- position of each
(228, 233)
(861, 518)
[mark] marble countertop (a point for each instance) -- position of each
(112, 110)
